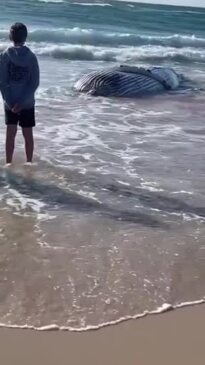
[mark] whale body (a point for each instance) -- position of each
(128, 81)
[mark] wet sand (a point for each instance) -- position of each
(175, 337)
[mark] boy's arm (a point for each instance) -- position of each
(3, 86)
(32, 86)
(0, 71)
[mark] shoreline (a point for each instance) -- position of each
(53, 327)
(175, 337)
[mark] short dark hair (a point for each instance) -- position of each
(18, 33)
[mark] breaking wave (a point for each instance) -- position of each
(80, 36)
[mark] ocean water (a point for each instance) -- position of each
(109, 222)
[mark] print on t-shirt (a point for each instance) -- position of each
(17, 73)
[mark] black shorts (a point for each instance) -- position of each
(26, 118)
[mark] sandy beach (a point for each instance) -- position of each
(175, 337)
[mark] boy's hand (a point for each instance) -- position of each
(16, 109)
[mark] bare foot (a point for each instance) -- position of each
(8, 165)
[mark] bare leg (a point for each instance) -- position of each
(10, 142)
(29, 143)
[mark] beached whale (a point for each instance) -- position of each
(128, 81)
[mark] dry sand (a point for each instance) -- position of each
(173, 338)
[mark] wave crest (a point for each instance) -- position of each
(128, 54)
(80, 36)
(125, 54)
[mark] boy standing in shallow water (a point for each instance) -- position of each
(19, 80)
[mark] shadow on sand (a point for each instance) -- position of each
(55, 197)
